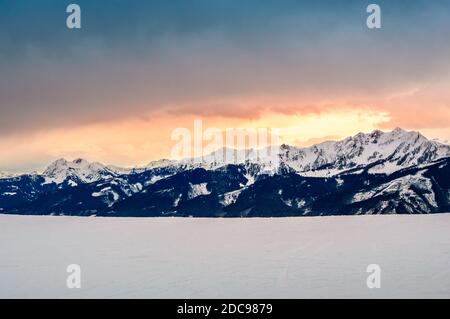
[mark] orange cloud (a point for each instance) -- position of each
(137, 141)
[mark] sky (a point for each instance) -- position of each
(114, 90)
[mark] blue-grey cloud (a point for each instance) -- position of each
(132, 56)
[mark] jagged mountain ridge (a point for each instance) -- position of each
(386, 152)
(394, 172)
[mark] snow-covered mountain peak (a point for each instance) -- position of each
(377, 152)
(160, 163)
(380, 137)
(266, 158)
(386, 151)
(398, 130)
(78, 169)
(63, 164)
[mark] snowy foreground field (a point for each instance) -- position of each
(323, 257)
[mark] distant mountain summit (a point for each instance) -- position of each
(6, 175)
(383, 152)
(374, 173)
(78, 170)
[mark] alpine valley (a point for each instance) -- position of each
(377, 173)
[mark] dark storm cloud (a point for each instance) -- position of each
(134, 57)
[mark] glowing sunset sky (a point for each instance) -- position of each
(114, 90)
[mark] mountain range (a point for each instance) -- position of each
(376, 173)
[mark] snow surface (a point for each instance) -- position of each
(230, 197)
(106, 192)
(319, 257)
(407, 187)
(9, 193)
(198, 190)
